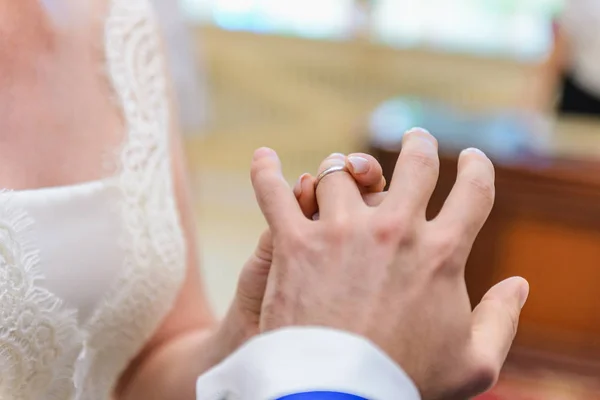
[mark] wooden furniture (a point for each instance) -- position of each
(545, 225)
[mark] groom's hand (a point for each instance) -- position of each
(243, 317)
(387, 273)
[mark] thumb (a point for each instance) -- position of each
(242, 319)
(253, 279)
(494, 325)
(275, 198)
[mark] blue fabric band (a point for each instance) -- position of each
(322, 396)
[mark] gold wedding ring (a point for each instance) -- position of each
(329, 171)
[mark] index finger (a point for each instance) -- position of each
(275, 198)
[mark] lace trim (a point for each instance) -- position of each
(154, 266)
(39, 340)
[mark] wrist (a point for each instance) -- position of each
(235, 329)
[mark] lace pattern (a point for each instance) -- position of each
(154, 266)
(44, 353)
(39, 340)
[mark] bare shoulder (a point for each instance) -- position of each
(58, 119)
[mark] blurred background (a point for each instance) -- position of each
(519, 79)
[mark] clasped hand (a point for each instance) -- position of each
(378, 268)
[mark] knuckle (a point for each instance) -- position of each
(483, 375)
(423, 160)
(294, 241)
(341, 222)
(484, 188)
(265, 184)
(260, 169)
(393, 228)
(443, 248)
(446, 244)
(268, 194)
(339, 227)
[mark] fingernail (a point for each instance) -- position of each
(315, 216)
(264, 152)
(298, 185)
(333, 161)
(360, 165)
(523, 294)
(474, 150)
(417, 130)
(337, 155)
(422, 134)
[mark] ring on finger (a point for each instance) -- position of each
(329, 171)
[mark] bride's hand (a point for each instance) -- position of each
(241, 322)
(364, 168)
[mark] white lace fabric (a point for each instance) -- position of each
(39, 340)
(45, 353)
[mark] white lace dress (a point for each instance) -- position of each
(88, 271)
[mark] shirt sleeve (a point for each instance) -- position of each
(307, 363)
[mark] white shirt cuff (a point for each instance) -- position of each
(306, 359)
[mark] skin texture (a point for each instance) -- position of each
(54, 99)
(361, 264)
(184, 347)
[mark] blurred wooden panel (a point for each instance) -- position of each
(563, 250)
(562, 263)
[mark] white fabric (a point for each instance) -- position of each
(80, 218)
(580, 20)
(299, 360)
(88, 272)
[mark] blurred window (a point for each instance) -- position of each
(514, 28)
